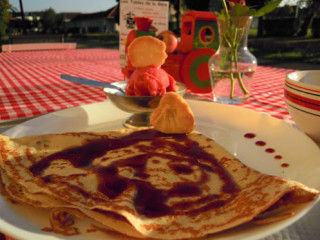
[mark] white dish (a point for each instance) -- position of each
(225, 123)
(302, 96)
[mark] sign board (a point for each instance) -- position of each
(158, 10)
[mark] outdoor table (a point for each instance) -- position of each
(30, 86)
(30, 82)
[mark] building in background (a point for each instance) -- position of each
(99, 22)
(66, 22)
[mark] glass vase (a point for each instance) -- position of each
(232, 67)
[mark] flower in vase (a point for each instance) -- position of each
(234, 17)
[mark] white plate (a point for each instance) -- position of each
(225, 123)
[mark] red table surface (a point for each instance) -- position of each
(30, 82)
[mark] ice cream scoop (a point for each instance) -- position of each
(150, 81)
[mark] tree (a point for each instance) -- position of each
(59, 22)
(48, 18)
(313, 9)
(35, 24)
(4, 16)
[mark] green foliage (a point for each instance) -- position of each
(273, 4)
(238, 9)
(48, 18)
(4, 16)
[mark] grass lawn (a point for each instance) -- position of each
(297, 56)
(300, 51)
(112, 41)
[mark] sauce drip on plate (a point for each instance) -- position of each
(261, 143)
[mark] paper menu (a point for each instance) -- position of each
(158, 10)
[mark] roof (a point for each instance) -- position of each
(71, 15)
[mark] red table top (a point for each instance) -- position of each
(30, 82)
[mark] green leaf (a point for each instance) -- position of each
(240, 10)
(271, 5)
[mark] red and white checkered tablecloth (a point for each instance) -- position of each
(30, 82)
(267, 92)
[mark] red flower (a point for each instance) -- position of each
(243, 2)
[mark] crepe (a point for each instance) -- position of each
(141, 183)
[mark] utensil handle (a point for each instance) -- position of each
(86, 81)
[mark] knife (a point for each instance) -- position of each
(90, 82)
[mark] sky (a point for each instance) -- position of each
(84, 6)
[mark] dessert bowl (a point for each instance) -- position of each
(141, 107)
(302, 96)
